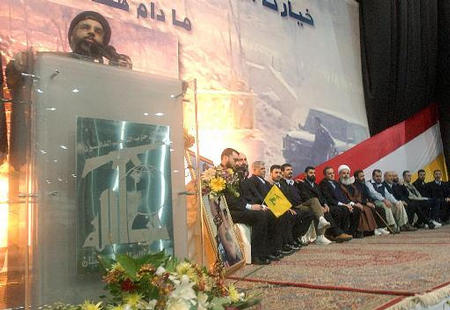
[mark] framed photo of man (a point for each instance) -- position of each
(225, 238)
(191, 164)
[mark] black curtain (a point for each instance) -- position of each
(402, 52)
(443, 84)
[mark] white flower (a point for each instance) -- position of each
(174, 278)
(208, 174)
(184, 290)
(160, 271)
(178, 304)
(147, 305)
(202, 300)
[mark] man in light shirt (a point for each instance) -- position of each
(396, 215)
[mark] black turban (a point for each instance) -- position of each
(95, 16)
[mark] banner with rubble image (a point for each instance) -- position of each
(124, 189)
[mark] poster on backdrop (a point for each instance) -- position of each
(288, 92)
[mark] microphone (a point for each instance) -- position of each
(110, 53)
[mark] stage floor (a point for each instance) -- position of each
(369, 273)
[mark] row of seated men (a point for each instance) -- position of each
(339, 210)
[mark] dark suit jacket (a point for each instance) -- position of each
(291, 192)
(236, 203)
(422, 188)
(307, 191)
(362, 187)
(332, 195)
(400, 192)
(438, 191)
(254, 191)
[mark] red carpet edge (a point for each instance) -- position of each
(327, 287)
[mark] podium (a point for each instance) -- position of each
(102, 171)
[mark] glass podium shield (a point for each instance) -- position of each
(99, 169)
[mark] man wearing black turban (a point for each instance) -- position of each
(89, 35)
(89, 32)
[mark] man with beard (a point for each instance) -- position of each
(367, 223)
(242, 166)
(336, 198)
(389, 186)
(430, 207)
(292, 192)
(378, 211)
(310, 189)
(253, 215)
(254, 191)
(341, 207)
(420, 184)
(396, 215)
(89, 35)
(440, 190)
(300, 219)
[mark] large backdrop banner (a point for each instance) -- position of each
(410, 145)
(279, 80)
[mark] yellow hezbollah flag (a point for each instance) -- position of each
(277, 202)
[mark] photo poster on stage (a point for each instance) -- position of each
(278, 80)
(223, 235)
(123, 190)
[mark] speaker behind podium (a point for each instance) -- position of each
(102, 172)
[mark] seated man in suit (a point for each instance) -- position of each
(300, 219)
(254, 190)
(440, 190)
(402, 205)
(242, 166)
(429, 206)
(412, 207)
(348, 211)
(420, 183)
(378, 211)
(292, 192)
(253, 215)
(395, 213)
(310, 189)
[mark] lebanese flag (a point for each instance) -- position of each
(410, 145)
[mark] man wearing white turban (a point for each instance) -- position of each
(344, 209)
(367, 223)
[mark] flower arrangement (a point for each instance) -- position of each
(157, 281)
(217, 180)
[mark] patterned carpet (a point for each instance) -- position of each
(360, 274)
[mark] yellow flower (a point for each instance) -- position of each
(187, 269)
(87, 305)
(116, 308)
(132, 299)
(235, 296)
(217, 184)
(117, 267)
(230, 171)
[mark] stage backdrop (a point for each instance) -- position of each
(279, 80)
(410, 145)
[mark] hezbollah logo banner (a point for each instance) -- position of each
(277, 202)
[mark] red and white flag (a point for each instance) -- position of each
(410, 145)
